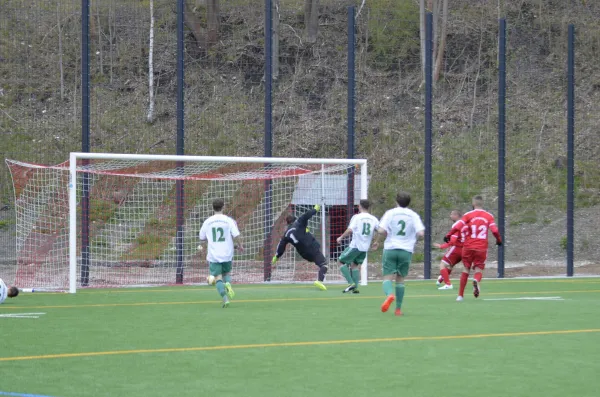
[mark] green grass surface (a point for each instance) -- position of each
(298, 341)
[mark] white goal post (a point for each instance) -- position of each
(140, 186)
(116, 220)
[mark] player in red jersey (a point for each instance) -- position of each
(452, 256)
(475, 224)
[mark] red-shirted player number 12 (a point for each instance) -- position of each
(482, 232)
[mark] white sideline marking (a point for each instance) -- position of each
(528, 298)
(22, 315)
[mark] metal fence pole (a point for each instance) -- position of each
(85, 140)
(268, 135)
(351, 107)
(571, 151)
(501, 139)
(180, 150)
(428, 139)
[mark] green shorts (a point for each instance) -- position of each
(352, 255)
(217, 269)
(396, 262)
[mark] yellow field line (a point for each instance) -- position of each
(297, 344)
(272, 300)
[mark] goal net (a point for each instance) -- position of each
(111, 220)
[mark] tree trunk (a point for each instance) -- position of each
(275, 40)
(311, 20)
(100, 52)
(60, 54)
(195, 25)
(442, 46)
(212, 20)
(150, 115)
(422, 36)
(436, 16)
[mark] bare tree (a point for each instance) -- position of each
(422, 35)
(311, 20)
(212, 19)
(204, 36)
(60, 54)
(150, 115)
(275, 39)
(442, 46)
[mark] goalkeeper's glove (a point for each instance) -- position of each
(498, 242)
(274, 260)
(317, 207)
(446, 239)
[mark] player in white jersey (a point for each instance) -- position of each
(7, 292)
(220, 231)
(362, 228)
(401, 226)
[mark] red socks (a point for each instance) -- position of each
(464, 277)
(445, 275)
(477, 277)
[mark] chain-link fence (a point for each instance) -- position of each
(224, 43)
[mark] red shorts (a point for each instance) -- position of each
(474, 258)
(452, 256)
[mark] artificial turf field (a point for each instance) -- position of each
(294, 340)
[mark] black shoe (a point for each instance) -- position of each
(355, 291)
(349, 288)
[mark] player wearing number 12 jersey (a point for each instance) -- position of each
(220, 231)
(362, 227)
(475, 225)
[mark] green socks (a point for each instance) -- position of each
(399, 295)
(221, 287)
(227, 278)
(387, 287)
(356, 276)
(346, 273)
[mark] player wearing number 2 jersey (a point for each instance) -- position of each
(220, 231)
(401, 226)
(362, 227)
(475, 225)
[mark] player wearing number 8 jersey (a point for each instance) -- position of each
(220, 231)
(362, 227)
(401, 226)
(475, 225)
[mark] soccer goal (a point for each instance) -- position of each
(111, 220)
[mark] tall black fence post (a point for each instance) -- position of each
(428, 139)
(571, 151)
(268, 136)
(180, 149)
(501, 139)
(351, 107)
(85, 140)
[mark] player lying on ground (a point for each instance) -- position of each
(475, 225)
(7, 292)
(362, 227)
(452, 256)
(220, 231)
(305, 243)
(401, 226)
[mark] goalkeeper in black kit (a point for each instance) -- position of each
(305, 243)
